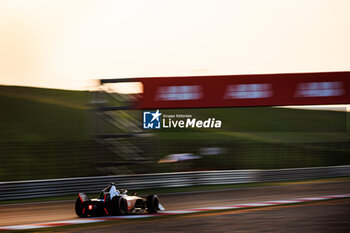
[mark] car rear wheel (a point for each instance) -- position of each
(119, 205)
(152, 204)
(80, 208)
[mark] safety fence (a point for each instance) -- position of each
(51, 160)
(67, 186)
(305, 173)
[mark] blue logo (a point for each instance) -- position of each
(151, 120)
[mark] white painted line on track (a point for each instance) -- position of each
(24, 227)
(172, 212)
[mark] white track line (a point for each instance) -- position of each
(173, 212)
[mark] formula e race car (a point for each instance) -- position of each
(111, 201)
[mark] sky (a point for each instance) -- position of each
(67, 43)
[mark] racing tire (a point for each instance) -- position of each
(152, 204)
(119, 205)
(80, 208)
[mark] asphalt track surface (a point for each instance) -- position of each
(15, 214)
(326, 217)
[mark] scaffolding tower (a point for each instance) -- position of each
(117, 129)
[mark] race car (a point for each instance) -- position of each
(111, 201)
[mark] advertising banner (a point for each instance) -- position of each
(245, 90)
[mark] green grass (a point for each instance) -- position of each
(260, 138)
(65, 98)
(36, 114)
(43, 133)
(39, 114)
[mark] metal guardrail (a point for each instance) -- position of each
(305, 173)
(58, 187)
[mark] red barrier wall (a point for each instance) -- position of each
(246, 90)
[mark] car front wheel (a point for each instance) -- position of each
(152, 204)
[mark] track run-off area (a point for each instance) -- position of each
(61, 213)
